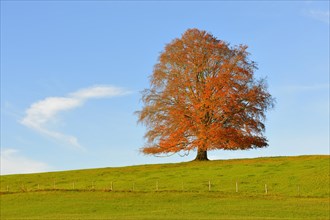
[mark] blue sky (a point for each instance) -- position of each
(72, 72)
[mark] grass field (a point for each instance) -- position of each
(297, 188)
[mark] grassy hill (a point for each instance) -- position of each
(261, 188)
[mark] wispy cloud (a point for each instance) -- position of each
(40, 113)
(305, 88)
(319, 15)
(99, 92)
(12, 162)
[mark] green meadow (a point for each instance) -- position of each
(261, 188)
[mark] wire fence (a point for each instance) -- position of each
(235, 187)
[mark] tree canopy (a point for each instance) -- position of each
(203, 96)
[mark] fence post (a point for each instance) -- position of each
(209, 185)
(111, 186)
(54, 186)
(236, 186)
(7, 188)
(266, 190)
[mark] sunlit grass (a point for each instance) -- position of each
(297, 188)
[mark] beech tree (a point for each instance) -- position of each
(203, 96)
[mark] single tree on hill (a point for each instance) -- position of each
(204, 97)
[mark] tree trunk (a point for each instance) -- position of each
(201, 155)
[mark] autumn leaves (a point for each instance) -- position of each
(203, 96)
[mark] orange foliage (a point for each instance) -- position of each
(203, 96)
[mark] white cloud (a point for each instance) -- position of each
(319, 15)
(44, 110)
(98, 92)
(40, 113)
(14, 163)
